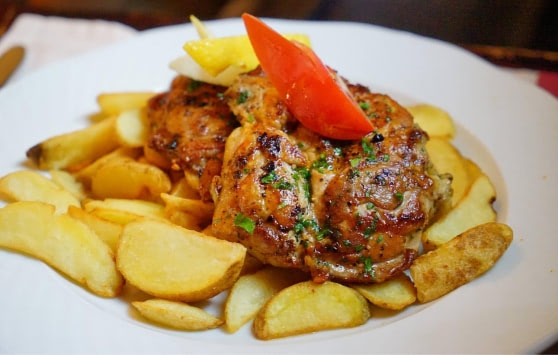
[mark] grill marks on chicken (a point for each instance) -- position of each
(351, 211)
(189, 127)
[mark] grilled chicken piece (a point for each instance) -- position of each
(348, 211)
(189, 126)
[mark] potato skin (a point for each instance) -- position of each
(460, 260)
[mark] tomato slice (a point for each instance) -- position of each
(313, 93)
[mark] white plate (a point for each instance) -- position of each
(508, 126)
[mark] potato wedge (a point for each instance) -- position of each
(107, 231)
(177, 315)
(174, 263)
(447, 159)
(202, 211)
(395, 294)
(75, 148)
(474, 209)
(250, 292)
(61, 242)
(460, 260)
(128, 179)
(117, 102)
(435, 121)
(69, 183)
(85, 173)
(29, 185)
(307, 307)
(123, 211)
(131, 128)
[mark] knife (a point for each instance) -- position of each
(9, 62)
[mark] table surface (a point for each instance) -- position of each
(140, 16)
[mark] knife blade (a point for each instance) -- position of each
(9, 62)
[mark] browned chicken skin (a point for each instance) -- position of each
(190, 124)
(351, 211)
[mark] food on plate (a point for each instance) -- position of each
(115, 103)
(62, 242)
(306, 307)
(460, 260)
(131, 129)
(170, 262)
(250, 292)
(75, 148)
(28, 185)
(229, 185)
(474, 209)
(434, 120)
(445, 157)
(123, 211)
(395, 294)
(350, 211)
(177, 315)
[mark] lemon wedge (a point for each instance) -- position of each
(215, 55)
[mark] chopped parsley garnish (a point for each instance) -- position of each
(355, 161)
(398, 196)
(242, 97)
(245, 223)
(364, 105)
(269, 178)
(193, 85)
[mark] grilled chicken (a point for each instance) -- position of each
(189, 126)
(349, 211)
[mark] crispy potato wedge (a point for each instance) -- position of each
(29, 185)
(251, 292)
(395, 294)
(473, 170)
(123, 211)
(61, 242)
(460, 260)
(84, 174)
(131, 128)
(307, 307)
(128, 179)
(69, 183)
(75, 148)
(474, 209)
(117, 102)
(202, 211)
(174, 263)
(183, 219)
(177, 315)
(435, 121)
(447, 159)
(107, 231)
(182, 188)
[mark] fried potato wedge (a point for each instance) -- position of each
(447, 159)
(460, 260)
(61, 242)
(177, 315)
(107, 231)
(69, 183)
(29, 185)
(435, 121)
(174, 263)
(129, 179)
(123, 211)
(117, 102)
(474, 209)
(307, 307)
(75, 148)
(131, 128)
(202, 211)
(85, 173)
(395, 294)
(251, 292)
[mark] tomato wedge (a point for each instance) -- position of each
(313, 93)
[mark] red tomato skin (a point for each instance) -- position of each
(311, 91)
